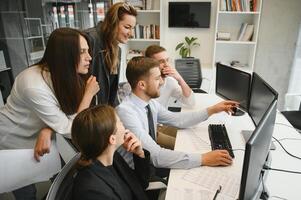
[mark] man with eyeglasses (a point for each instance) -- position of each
(173, 86)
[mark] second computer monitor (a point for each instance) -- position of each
(257, 150)
(261, 96)
(233, 84)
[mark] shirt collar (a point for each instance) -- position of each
(138, 101)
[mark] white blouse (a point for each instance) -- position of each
(31, 106)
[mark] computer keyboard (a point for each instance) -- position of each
(219, 138)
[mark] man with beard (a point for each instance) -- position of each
(140, 113)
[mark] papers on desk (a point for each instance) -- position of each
(211, 178)
(194, 194)
(19, 168)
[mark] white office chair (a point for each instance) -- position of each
(124, 90)
(61, 188)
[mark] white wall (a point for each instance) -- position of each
(170, 37)
(278, 32)
(293, 96)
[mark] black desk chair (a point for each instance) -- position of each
(190, 70)
(294, 117)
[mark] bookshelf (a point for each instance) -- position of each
(240, 43)
(34, 38)
(147, 30)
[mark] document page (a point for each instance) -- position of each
(18, 168)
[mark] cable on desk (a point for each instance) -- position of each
(292, 155)
(277, 197)
(287, 125)
(264, 195)
(280, 170)
(288, 139)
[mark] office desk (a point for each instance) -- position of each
(202, 182)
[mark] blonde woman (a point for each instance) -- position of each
(116, 28)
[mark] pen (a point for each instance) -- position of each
(217, 191)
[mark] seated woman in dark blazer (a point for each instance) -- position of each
(98, 132)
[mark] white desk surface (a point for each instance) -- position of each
(202, 182)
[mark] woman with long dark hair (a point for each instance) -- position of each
(47, 96)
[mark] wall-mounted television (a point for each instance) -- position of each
(189, 14)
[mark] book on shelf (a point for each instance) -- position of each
(148, 4)
(100, 11)
(226, 36)
(238, 5)
(70, 16)
(151, 31)
(248, 33)
(242, 31)
(62, 16)
(55, 20)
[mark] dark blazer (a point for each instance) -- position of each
(99, 69)
(94, 182)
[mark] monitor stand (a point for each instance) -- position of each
(238, 112)
(247, 134)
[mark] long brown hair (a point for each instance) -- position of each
(61, 58)
(91, 130)
(109, 28)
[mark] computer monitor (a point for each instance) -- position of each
(256, 152)
(261, 96)
(233, 84)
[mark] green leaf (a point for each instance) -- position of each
(181, 53)
(179, 46)
(193, 39)
(187, 40)
(185, 52)
(196, 44)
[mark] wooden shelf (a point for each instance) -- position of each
(148, 11)
(238, 12)
(235, 42)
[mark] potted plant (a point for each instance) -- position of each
(186, 46)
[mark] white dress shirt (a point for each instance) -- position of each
(132, 113)
(31, 106)
(171, 88)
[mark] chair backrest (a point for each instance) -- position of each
(124, 90)
(190, 70)
(61, 188)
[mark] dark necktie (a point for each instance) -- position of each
(150, 120)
